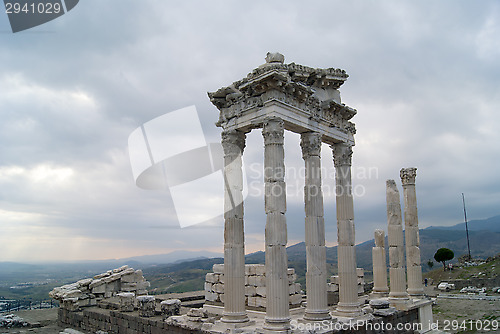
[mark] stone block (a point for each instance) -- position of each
(127, 300)
(218, 287)
(220, 278)
(170, 307)
(250, 269)
(290, 271)
(260, 302)
(360, 272)
(146, 305)
(334, 279)
(260, 270)
(256, 280)
(208, 286)
(295, 299)
(250, 290)
(260, 291)
(218, 268)
(252, 301)
(211, 278)
(333, 287)
(211, 296)
(292, 278)
(294, 288)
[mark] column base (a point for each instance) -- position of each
(235, 318)
(416, 292)
(277, 325)
(317, 315)
(379, 294)
(348, 310)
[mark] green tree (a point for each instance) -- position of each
(430, 263)
(443, 255)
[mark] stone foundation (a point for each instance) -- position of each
(255, 287)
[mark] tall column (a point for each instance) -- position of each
(380, 288)
(316, 277)
(413, 267)
(348, 281)
(397, 273)
(233, 143)
(277, 303)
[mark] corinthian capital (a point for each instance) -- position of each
(310, 142)
(273, 131)
(408, 175)
(233, 142)
(342, 154)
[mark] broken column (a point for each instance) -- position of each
(413, 266)
(146, 306)
(126, 301)
(348, 288)
(396, 243)
(317, 305)
(277, 311)
(380, 288)
(233, 143)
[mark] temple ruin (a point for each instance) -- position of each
(242, 298)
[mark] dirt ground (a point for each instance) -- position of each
(42, 322)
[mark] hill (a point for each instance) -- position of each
(489, 224)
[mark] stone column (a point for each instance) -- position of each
(277, 309)
(348, 287)
(413, 267)
(233, 143)
(396, 245)
(316, 278)
(380, 288)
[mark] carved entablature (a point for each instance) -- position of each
(310, 93)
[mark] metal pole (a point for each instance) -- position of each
(466, 227)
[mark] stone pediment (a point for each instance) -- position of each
(308, 98)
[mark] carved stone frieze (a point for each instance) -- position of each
(313, 91)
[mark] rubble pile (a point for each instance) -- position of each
(87, 292)
(12, 321)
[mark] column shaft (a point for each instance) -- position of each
(233, 143)
(316, 276)
(277, 303)
(396, 245)
(414, 268)
(380, 288)
(348, 288)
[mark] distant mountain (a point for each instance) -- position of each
(488, 224)
(172, 257)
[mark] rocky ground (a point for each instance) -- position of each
(452, 315)
(40, 321)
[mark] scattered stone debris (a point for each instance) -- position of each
(87, 292)
(70, 331)
(445, 286)
(12, 321)
(472, 289)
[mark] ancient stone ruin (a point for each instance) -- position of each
(248, 298)
(88, 292)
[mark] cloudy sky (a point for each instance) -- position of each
(424, 77)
